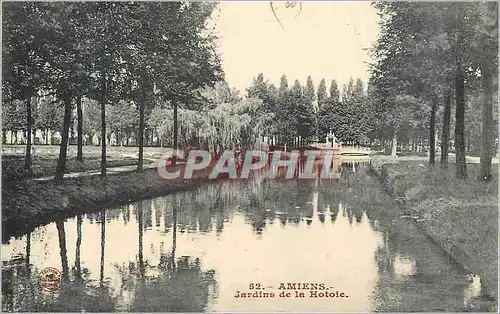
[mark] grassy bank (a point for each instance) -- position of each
(27, 204)
(461, 216)
(13, 166)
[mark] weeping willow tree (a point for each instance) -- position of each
(224, 127)
(219, 127)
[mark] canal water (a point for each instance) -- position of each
(208, 249)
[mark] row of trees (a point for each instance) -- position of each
(301, 114)
(291, 116)
(428, 57)
(127, 76)
(143, 53)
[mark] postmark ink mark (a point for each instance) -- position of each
(50, 279)
(288, 5)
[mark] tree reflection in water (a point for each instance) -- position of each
(103, 245)
(12, 270)
(175, 284)
(409, 274)
(77, 293)
(62, 248)
(260, 200)
(77, 269)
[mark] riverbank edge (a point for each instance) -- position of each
(451, 245)
(123, 193)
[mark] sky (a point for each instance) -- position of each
(324, 40)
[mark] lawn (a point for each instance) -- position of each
(13, 165)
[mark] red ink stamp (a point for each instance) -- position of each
(50, 279)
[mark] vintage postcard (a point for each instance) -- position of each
(283, 156)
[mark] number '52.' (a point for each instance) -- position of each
(255, 286)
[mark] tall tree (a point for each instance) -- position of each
(322, 95)
(309, 92)
(311, 112)
(302, 112)
(24, 57)
(330, 118)
(188, 65)
(68, 71)
(258, 89)
(487, 56)
(334, 91)
(284, 110)
(79, 117)
(263, 90)
(283, 89)
(108, 38)
(445, 137)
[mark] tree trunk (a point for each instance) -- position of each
(63, 148)
(394, 144)
(28, 253)
(174, 159)
(487, 141)
(103, 125)
(79, 113)
(29, 122)
(432, 133)
(141, 134)
(461, 170)
(445, 137)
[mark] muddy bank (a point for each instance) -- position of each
(461, 216)
(28, 204)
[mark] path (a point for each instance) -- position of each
(109, 170)
(451, 158)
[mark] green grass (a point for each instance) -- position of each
(417, 181)
(460, 215)
(13, 166)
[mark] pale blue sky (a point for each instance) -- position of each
(325, 40)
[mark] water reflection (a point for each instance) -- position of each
(62, 248)
(192, 251)
(174, 284)
(103, 245)
(78, 266)
(404, 266)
